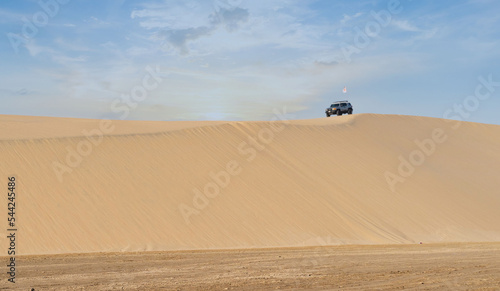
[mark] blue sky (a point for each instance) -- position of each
(240, 60)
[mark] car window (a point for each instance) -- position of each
(343, 104)
(335, 105)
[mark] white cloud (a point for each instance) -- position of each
(137, 51)
(405, 25)
(34, 49)
(96, 22)
(347, 18)
(71, 45)
(174, 15)
(10, 16)
(65, 60)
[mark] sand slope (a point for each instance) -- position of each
(303, 182)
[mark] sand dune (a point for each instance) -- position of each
(187, 185)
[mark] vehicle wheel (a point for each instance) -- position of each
(349, 111)
(327, 115)
(339, 113)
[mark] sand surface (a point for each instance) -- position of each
(140, 186)
(454, 267)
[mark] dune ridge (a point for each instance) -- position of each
(153, 185)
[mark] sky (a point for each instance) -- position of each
(243, 60)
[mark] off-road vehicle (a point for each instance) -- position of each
(339, 108)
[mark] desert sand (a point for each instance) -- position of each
(453, 267)
(357, 202)
(166, 186)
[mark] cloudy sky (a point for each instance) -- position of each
(240, 59)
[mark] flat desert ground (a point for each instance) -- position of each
(363, 201)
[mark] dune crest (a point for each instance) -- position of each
(360, 179)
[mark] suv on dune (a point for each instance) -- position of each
(339, 108)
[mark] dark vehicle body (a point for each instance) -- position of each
(339, 108)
